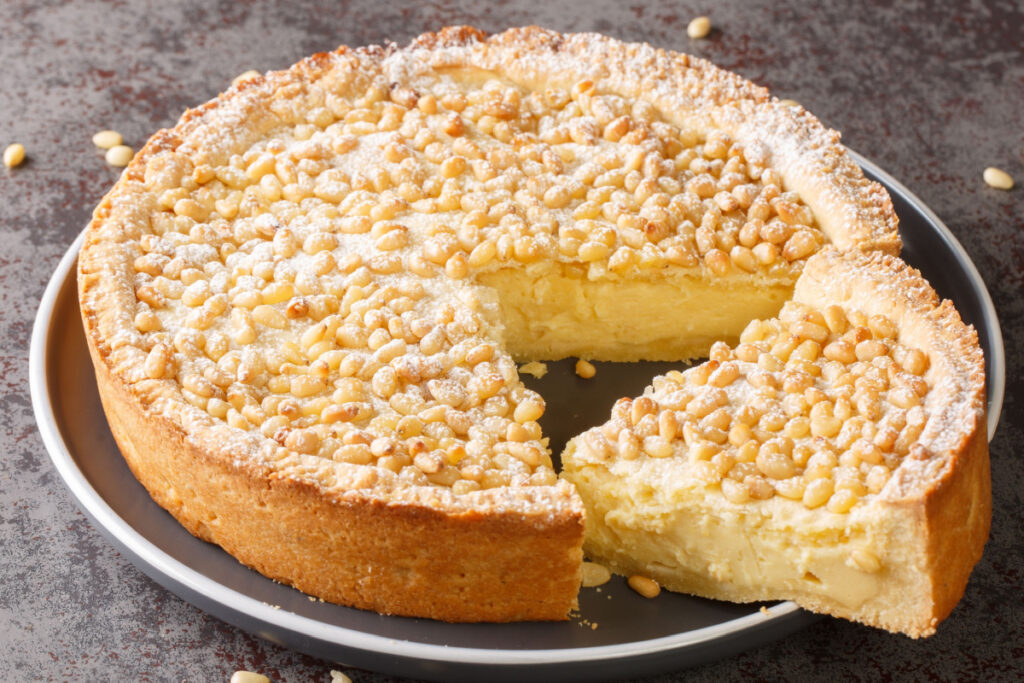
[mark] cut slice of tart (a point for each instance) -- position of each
(837, 457)
(304, 300)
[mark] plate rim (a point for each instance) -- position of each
(195, 582)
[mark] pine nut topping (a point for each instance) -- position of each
(833, 393)
(291, 291)
(245, 76)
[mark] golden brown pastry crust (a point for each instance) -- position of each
(392, 557)
(944, 485)
(336, 531)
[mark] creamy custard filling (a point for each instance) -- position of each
(553, 311)
(690, 545)
(755, 474)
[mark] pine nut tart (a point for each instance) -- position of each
(837, 456)
(304, 302)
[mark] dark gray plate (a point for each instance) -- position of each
(634, 636)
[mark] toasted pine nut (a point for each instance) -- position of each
(14, 155)
(119, 155)
(595, 574)
(585, 369)
(645, 586)
(105, 139)
(698, 28)
(248, 677)
(998, 178)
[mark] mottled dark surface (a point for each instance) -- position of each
(933, 92)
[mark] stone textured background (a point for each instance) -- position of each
(933, 92)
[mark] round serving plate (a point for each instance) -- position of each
(615, 633)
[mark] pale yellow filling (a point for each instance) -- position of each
(693, 543)
(552, 311)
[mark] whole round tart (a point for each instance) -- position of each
(305, 302)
